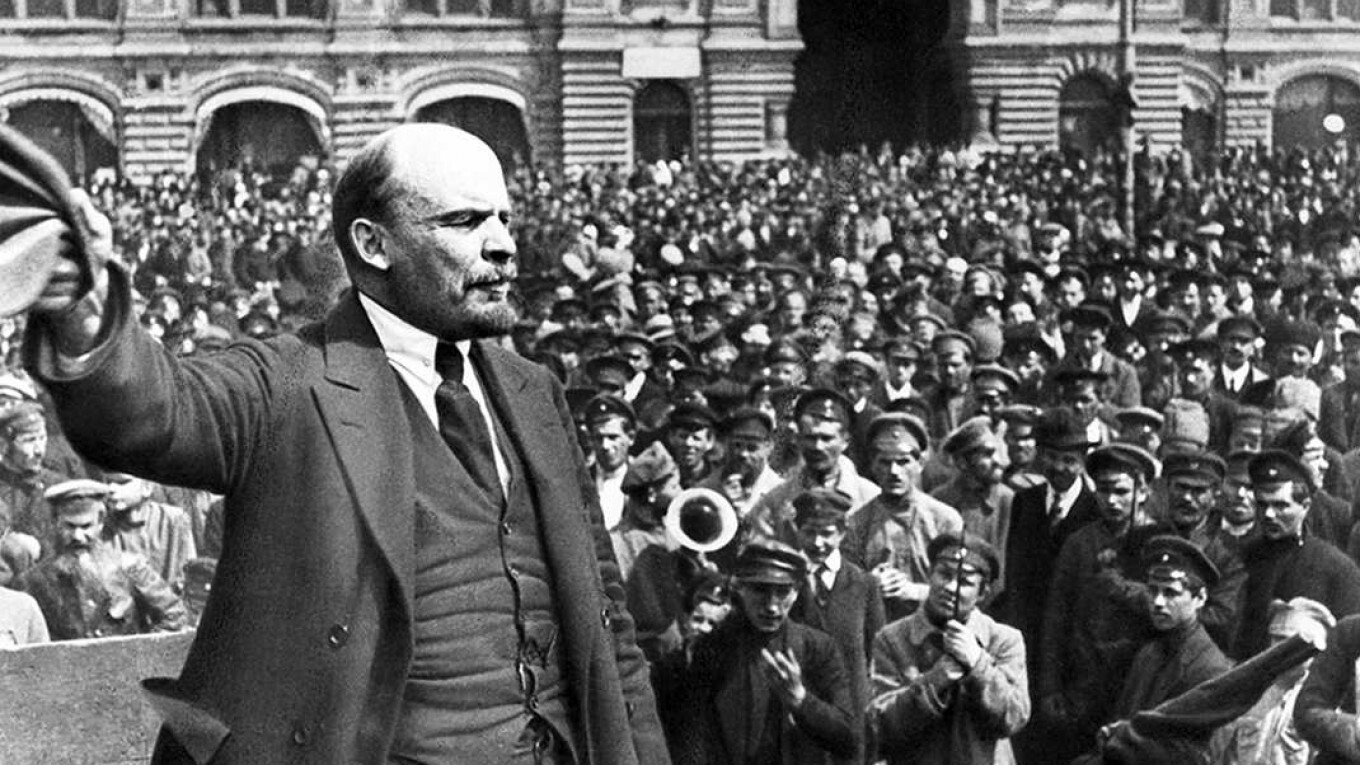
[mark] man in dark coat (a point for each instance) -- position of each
(762, 689)
(345, 624)
(1325, 710)
(838, 597)
(1181, 655)
(1284, 562)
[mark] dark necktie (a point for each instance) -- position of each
(461, 422)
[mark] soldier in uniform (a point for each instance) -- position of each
(747, 438)
(977, 491)
(889, 535)
(949, 682)
(689, 436)
(823, 420)
(88, 588)
(1284, 562)
(1181, 654)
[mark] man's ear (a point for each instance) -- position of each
(369, 241)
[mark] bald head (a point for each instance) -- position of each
(399, 164)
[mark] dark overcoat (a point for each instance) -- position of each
(303, 651)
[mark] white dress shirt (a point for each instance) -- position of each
(411, 351)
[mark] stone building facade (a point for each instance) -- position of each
(149, 85)
(1208, 73)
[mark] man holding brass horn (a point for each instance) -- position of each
(415, 567)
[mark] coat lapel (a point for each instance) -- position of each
(360, 405)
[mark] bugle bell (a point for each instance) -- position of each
(701, 520)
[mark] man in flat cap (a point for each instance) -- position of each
(1086, 350)
(1192, 484)
(611, 426)
(855, 375)
(948, 398)
(1285, 562)
(949, 683)
(822, 418)
(87, 588)
(690, 436)
(763, 689)
(1181, 654)
(889, 535)
(1141, 426)
(901, 361)
(745, 476)
(1096, 615)
(1291, 346)
(1018, 425)
(838, 597)
(1237, 337)
(976, 491)
(1195, 364)
(23, 477)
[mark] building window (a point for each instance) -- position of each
(1201, 11)
(494, 9)
(278, 9)
(1316, 10)
(104, 10)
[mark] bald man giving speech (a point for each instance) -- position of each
(415, 568)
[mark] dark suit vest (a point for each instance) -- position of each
(486, 656)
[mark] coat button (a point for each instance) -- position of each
(301, 736)
(506, 528)
(604, 617)
(337, 636)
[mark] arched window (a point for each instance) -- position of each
(1316, 110)
(662, 122)
(268, 136)
(497, 122)
(67, 133)
(1086, 115)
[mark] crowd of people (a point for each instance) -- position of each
(1002, 473)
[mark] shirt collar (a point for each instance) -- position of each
(409, 347)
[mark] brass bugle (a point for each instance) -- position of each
(701, 520)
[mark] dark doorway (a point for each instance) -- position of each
(497, 122)
(662, 124)
(1199, 133)
(63, 130)
(1086, 116)
(1303, 108)
(266, 135)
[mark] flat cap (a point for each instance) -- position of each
(858, 363)
(770, 562)
(1020, 414)
(972, 434)
(1278, 466)
(784, 351)
(973, 553)
(891, 423)
(952, 339)
(653, 465)
(1170, 558)
(903, 348)
(1140, 414)
(990, 375)
(609, 370)
(1122, 458)
(747, 422)
(1198, 468)
(1088, 315)
(1162, 321)
(1196, 348)
(824, 404)
(606, 406)
(1076, 375)
(692, 416)
(79, 488)
(820, 505)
